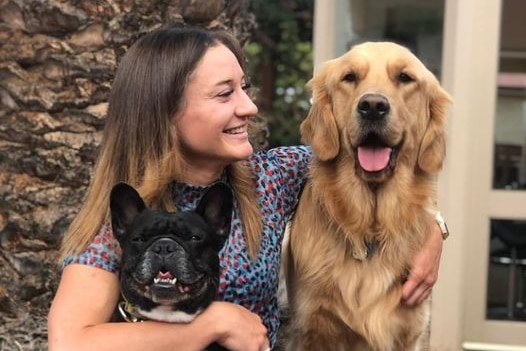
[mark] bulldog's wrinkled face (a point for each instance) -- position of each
(170, 261)
(169, 257)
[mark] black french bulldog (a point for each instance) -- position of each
(170, 264)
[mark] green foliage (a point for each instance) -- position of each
(280, 59)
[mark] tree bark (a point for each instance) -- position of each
(57, 62)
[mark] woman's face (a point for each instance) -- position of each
(212, 127)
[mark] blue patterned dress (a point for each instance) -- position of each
(280, 174)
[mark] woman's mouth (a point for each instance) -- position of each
(237, 130)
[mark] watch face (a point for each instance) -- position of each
(445, 230)
(442, 224)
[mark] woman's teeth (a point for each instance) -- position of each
(235, 130)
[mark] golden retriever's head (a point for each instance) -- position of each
(379, 105)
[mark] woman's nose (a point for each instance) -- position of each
(245, 106)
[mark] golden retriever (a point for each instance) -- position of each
(376, 128)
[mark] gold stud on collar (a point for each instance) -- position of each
(128, 311)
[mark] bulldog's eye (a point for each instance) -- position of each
(138, 240)
(350, 77)
(195, 237)
(405, 78)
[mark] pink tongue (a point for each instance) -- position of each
(374, 159)
(164, 275)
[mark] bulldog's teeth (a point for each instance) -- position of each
(165, 280)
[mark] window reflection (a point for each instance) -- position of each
(506, 291)
(413, 23)
(510, 117)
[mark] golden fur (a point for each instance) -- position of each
(356, 232)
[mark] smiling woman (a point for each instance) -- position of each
(177, 123)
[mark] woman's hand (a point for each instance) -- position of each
(424, 272)
(237, 328)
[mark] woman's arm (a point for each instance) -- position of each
(424, 272)
(287, 168)
(85, 301)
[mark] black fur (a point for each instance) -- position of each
(170, 260)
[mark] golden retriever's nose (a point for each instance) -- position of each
(373, 106)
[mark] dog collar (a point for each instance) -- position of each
(370, 249)
(128, 311)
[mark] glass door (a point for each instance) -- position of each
(506, 277)
(498, 314)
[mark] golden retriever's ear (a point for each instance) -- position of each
(319, 129)
(433, 146)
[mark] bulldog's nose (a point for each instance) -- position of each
(373, 106)
(164, 246)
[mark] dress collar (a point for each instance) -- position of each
(186, 195)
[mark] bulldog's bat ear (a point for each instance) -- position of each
(125, 205)
(216, 208)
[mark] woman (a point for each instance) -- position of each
(177, 122)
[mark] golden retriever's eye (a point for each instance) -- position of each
(405, 78)
(350, 77)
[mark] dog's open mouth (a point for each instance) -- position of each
(166, 287)
(374, 155)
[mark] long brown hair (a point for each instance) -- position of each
(139, 145)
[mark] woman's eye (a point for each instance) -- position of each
(226, 93)
(246, 86)
(249, 90)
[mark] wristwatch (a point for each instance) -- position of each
(442, 224)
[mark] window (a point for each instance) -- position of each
(509, 161)
(415, 24)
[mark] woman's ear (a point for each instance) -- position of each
(319, 129)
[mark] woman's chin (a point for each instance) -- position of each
(246, 152)
(236, 147)
(242, 152)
